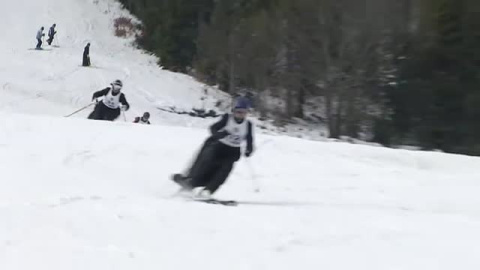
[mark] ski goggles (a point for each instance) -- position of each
(240, 112)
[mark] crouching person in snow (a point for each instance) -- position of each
(143, 120)
(113, 102)
(219, 153)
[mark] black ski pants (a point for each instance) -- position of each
(102, 112)
(213, 165)
(39, 43)
(50, 40)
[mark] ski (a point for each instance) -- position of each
(96, 67)
(217, 201)
(184, 186)
(35, 49)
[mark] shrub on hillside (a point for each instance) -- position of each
(124, 27)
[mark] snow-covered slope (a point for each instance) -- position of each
(53, 82)
(78, 194)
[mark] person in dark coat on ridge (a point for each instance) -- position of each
(86, 56)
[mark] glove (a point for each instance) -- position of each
(95, 100)
(124, 108)
(248, 152)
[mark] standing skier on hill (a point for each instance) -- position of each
(113, 102)
(219, 153)
(86, 56)
(39, 37)
(51, 34)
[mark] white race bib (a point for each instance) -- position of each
(237, 132)
(111, 101)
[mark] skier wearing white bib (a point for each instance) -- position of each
(113, 102)
(143, 120)
(220, 152)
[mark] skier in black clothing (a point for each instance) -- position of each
(86, 56)
(143, 120)
(113, 102)
(51, 34)
(219, 152)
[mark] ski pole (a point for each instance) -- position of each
(253, 176)
(124, 117)
(81, 109)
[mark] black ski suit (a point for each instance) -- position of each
(86, 56)
(102, 112)
(216, 160)
(51, 35)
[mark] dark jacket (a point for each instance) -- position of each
(52, 32)
(86, 51)
(105, 91)
(217, 134)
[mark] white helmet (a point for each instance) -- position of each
(117, 85)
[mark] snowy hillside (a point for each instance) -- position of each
(53, 82)
(78, 194)
(89, 195)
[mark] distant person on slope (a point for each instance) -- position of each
(40, 35)
(113, 102)
(144, 119)
(51, 34)
(219, 152)
(86, 56)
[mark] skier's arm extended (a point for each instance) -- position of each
(124, 102)
(215, 128)
(100, 93)
(219, 125)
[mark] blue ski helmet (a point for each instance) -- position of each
(242, 103)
